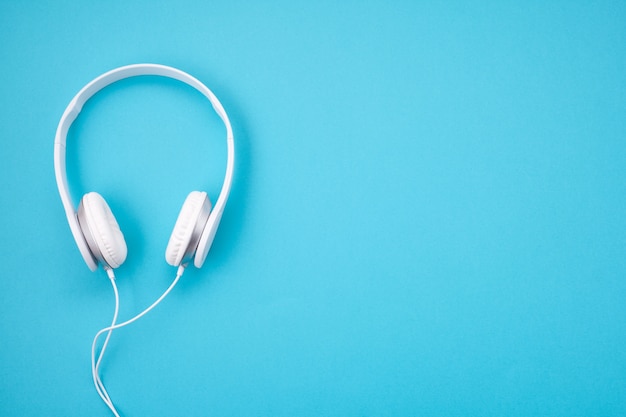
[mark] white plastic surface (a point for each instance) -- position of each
(183, 229)
(104, 229)
(74, 108)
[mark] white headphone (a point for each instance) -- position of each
(93, 225)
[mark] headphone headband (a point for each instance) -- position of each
(71, 113)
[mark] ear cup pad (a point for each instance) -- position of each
(188, 228)
(102, 230)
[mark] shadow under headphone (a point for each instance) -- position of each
(93, 225)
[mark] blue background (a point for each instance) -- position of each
(428, 214)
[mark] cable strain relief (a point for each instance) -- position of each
(181, 270)
(110, 272)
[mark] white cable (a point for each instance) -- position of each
(95, 364)
(102, 392)
(100, 388)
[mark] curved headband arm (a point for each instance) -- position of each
(74, 108)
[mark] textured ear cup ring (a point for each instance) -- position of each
(86, 240)
(188, 229)
(101, 231)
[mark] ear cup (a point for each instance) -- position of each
(103, 234)
(188, 228)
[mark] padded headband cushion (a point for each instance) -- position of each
(184, 227)
(104, 229)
